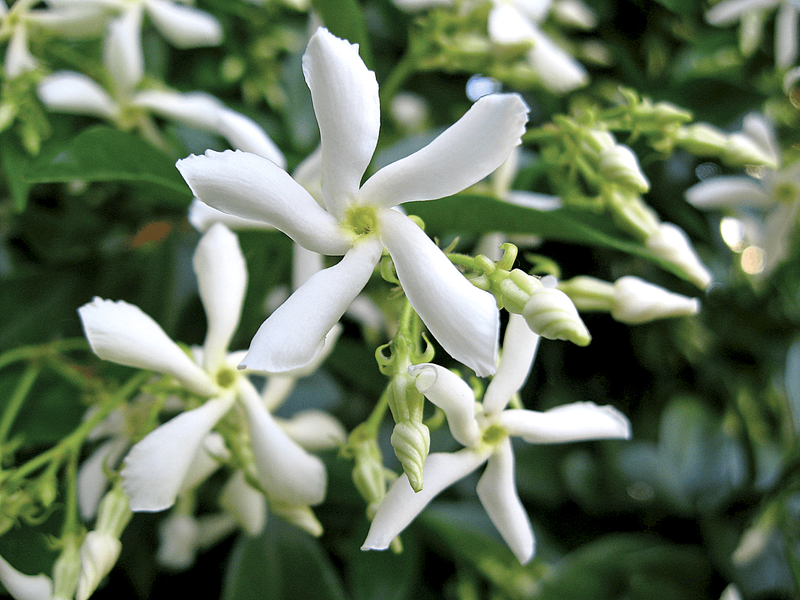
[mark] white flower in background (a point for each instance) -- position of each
(751, 14)
(514, 21)
(21, 21)
(358, 221)
(25, 587)
(767, 204)
(158, 466)
(671, 243)
(485, 429)
(127, 106)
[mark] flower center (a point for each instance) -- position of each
(361, 220)
(786, 193)
(226, 377)
(494, 434)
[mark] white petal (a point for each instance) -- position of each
(195, 109)
(497, 490)
(122, 333)
(574, 422)
(246, 504)
(454, 396)
(202, 216)
(71, 23)
(122, 51)
(289, 474)
(293, 335)
(477, 144)
(208, 458)
(401, 504)
(536, 10)
(315, 430)
(464, 319)
(415, 5)
(245, 134)
(309, 174)
(156, 466)
(543, 202)
(178, 541)
(507, 26)
(18, 59)
(77, 94)
(558, 70)
(729, 11)
(250, 186)
(92, 480)
(25, 587)
(345, 96)
(758, 128)
(184, 26)
(304, 264)
(786, 35)
(222, 282)
(519, 349)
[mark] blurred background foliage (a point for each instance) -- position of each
(707, 492)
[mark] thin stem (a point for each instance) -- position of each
(401, 73)
(71, 521)
(40, 350)
(18, 399)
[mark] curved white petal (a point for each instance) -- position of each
(401, 504)
(464, 319)
(558, 70)
(18, 58)
(222, 282)
(759, 129)
(202, 216)
(184, 26)
(92, 481)
(728, 191)
(195, 109)
(454, 396)
(77, 94)
(574, 422)
(309, 174)
(543, 202)
(728, 11)
(156, 466)
(304, 264)
(25, 587)
(536, 10)
(293, 335)
(497, 490)
(122, 333)
(477, 144)
(250, 186)
(519, 349)
(122, 51)
(345, 97)
(246, 504)
(289, 474)
(245, 134)
(315, 430)
(208, 458)
(178, 541)
(786, 35)
(507, 26)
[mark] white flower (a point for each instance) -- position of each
(358, 221)
(159, 466)
(786, 22)
(671, 243)
(486, 431)
(774, 195)
(25, 587)
(515, 21)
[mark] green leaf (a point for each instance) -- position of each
(345, 19)
(473, 214)
(283, 563)
(105, 154)
(381, 575)
(15, 161)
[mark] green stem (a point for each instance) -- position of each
(75, 439)
(71, 521)
(18, 399)
(41, 350)
(401, 73)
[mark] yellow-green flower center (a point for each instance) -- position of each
(361, 220)
(786, 193)
(494, 434)
(226, 377)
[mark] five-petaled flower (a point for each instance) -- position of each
(486, 430)
(359, 221)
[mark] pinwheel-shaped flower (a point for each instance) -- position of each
(486, 430)
(358, 221)
(157, 466)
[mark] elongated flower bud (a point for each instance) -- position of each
(551, 314)
(619, 164)
(411, 441)
(671, 243)
(638, 301)
(99, 554)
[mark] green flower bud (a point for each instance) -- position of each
(618, 164)
(551, 314)
(411, 441)
(740, 150)
(99, 553)
(67, 570)
(701, 139)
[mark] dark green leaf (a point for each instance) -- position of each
(381, 575)
(105, 154)
(15, 162)
(283, 563)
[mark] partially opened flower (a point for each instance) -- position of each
(358, 221)
(158, 467)
(485, 429)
